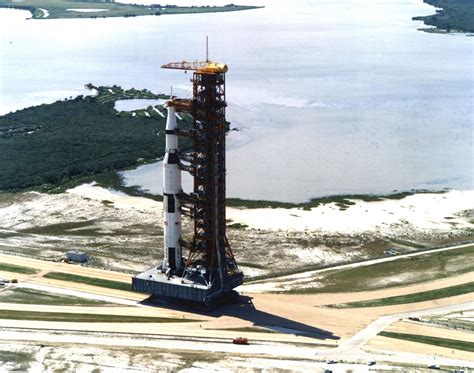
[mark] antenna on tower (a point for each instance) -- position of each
(207, 48)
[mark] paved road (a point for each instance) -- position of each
(369, 332)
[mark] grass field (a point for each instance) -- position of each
(83, 317)
(60, 9)
(17, 269)
(403, 271)
(440, 342)
(31, 296)
(414, 297)
(90, 281)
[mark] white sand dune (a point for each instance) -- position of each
(425, 211)
(120, 200)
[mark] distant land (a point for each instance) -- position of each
(454, 15)
(51, 9)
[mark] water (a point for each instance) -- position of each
(136, 104)
(329, 97)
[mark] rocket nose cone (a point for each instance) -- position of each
(171, 119)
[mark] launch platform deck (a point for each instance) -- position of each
(156, 283)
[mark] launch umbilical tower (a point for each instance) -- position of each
(209, 271)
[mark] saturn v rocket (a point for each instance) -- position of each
(171, 191)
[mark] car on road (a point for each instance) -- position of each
(434, 366)
(371, 362)
(331, 362)
(240, 341)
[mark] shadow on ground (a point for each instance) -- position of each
(244, 309)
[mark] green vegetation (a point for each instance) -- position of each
(59, 8)
(31, 296)
(435, 341)
(414, 297)
(111, 94)
(17, 269)
(401, 271)
(83, 317)
(342, 201)
(456, 15)
(77, 137)
(110, 284)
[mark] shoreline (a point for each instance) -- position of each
(97, 9)
(451, 16)
(112, 179)
(141, 187)
(423, 212)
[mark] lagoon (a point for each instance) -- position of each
(327, 98)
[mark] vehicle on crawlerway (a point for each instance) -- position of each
(240, 341)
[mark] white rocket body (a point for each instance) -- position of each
(171, 189)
